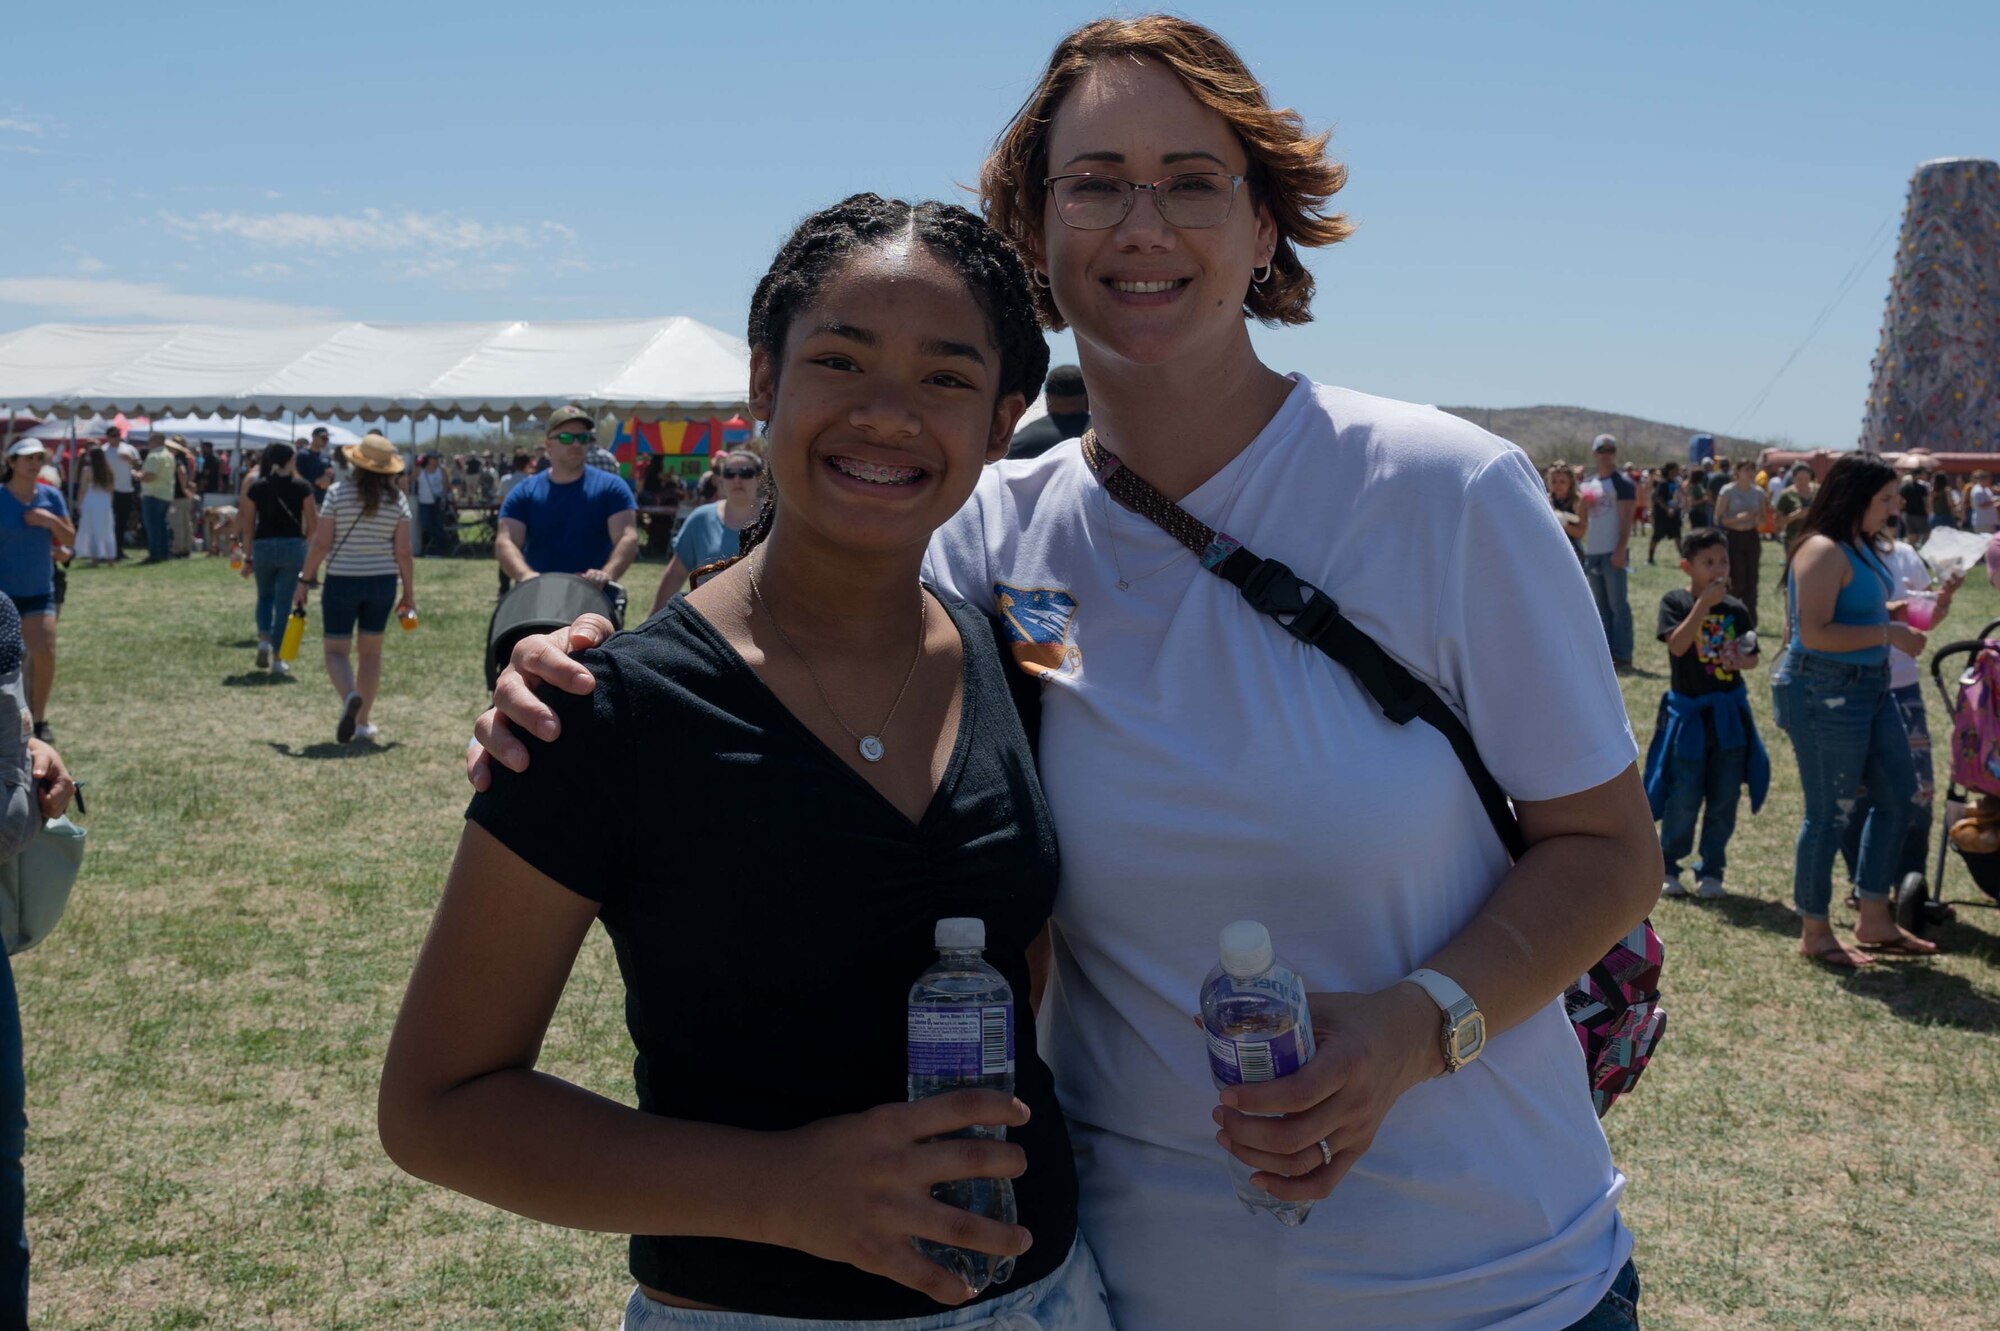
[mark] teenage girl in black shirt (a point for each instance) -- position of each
(772, 1166)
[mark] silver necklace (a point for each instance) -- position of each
(870, 746)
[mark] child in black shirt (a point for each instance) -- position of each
(1705, 744)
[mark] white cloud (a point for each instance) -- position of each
(24, 125)
(81, 298)
(267, 270)
(90, 265)
(371, 229)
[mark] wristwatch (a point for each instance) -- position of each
(1463, 1035)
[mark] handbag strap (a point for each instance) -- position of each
(1310, 615)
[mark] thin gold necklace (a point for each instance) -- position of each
(869, 745)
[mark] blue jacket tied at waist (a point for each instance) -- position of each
(1679, 733)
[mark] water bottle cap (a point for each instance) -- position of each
(1246, 949)
(961, 934)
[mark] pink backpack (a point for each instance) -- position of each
(1975, 724)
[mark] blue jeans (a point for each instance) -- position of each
(13, 1144)
(1607, 588)
(1715, 779)
(1845, 733)
(279, 560)
(1618, 1310)
(430, 526)
(1909, 702)
(153, 512)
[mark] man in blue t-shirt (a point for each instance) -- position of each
(570, 518)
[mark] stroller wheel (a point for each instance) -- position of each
(1910, 904)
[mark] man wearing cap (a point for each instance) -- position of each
(312, 466)
(1069, 414)
(570, 518)
(156, 498)
(1610, 498)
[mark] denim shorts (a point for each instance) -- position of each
(1070, 1298)
(45, 604)
(347, 600)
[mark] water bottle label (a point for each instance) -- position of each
(1237, 1061)
(961, 1041)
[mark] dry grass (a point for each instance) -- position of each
(205, 1030)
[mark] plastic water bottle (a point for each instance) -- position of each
(962, 1037)
(1254, 1008)
(407, 617)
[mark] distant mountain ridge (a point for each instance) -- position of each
(1548, 433)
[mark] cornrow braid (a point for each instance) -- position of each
(957, 238)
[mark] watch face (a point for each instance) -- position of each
(1469, 1037)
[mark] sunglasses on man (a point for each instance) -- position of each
(567, 438)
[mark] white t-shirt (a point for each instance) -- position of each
(1984, 516)
(430, 487)
(123, 459)
(1601, 495)
(1204, 767)
(1912, 574)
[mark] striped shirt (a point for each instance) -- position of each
(363, 547)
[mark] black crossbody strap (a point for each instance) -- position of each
(1310, 615)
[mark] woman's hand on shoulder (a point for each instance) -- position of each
(540, 658)
(1369, 1050)
(861, 1187)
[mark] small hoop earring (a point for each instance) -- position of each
(1041, 279)
(1260, 274)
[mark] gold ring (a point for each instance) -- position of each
(1325, 1152)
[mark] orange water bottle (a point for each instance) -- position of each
(236, 557)
(407, 617)
(295, 629)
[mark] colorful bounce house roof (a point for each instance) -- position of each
(701, 438)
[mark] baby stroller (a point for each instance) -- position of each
(1971, 821)
(542, 605)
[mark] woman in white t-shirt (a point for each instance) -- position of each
(1982, 510)
(1205, 766)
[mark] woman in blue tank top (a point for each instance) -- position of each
(1831, 695)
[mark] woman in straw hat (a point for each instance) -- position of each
(365, 525)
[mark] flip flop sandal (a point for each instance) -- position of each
(1833, 959)
(1900, 947)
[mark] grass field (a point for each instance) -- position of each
(205, 1030)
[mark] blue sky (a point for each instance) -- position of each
(1640, 209)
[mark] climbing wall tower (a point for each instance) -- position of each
(1936, 377)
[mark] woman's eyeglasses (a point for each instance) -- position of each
(1193, 200)
(740, 473)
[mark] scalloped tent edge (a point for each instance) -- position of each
(648, 368)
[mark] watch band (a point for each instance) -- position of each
(1458, 1009)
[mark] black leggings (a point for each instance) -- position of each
(1666, 527)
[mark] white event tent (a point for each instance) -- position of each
(649, 368)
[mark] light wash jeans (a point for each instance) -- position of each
(1071, 1298)
(1916, 837)
(1607, 588)
(1846, 733)
(278, 561)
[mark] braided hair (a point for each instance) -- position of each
(859, 223)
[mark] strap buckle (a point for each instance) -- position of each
(1301, 609)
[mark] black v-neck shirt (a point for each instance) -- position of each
(768, 953)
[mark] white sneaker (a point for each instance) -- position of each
(366, 732)
(1710, 889)
(1673, 887)
(280, 668)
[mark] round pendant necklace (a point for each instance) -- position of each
(1111, 540)
(870, 746)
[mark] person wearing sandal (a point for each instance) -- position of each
(1830, 693)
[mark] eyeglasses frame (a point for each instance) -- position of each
(1132, 188)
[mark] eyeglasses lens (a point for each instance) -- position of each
(739, 473)
(1192, 201)
(574, 438)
